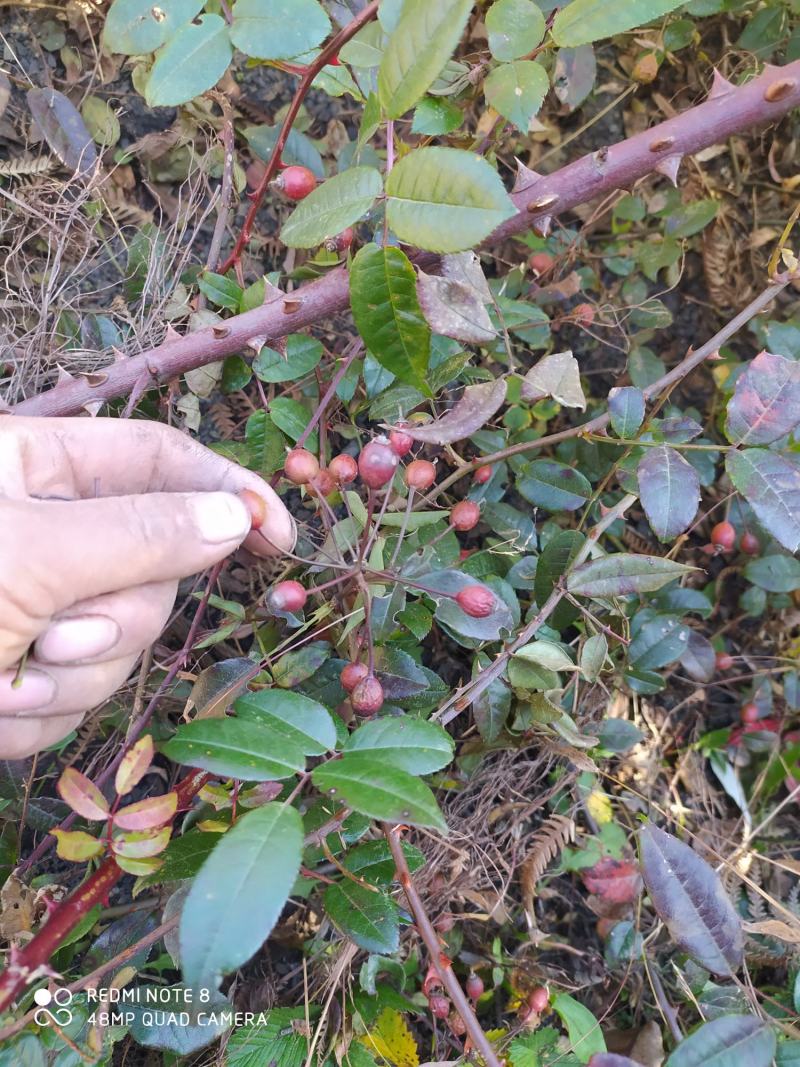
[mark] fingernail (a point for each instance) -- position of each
(77, 638)
(35, 690)
(220, 517)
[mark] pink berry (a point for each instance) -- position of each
(352, 674)
(723, 661)
(541, 262)
(296, 182)
(475, 986)
(343, 468)
(257, 507)
(465, 515)
(440, 1006)
(420, 474)
(287, 596)
(482, 475)
(301, 466)
(584, 314)
(367, 697)
(476, 600)
(539, 999)
(324, 483)
(750, 544)
(750, 713)
(724, 535)
(377, 464)
(401, 442)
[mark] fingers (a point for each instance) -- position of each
(23, 737)
(88, 458)
(47, 690)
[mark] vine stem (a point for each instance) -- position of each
(441, 963)
(727, 110)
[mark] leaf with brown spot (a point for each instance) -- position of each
(471, 412)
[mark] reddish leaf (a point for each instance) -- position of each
(82, 795)
(472, 411)
(141, 845)
(669, 489)
(147, 814)
(134, 765)
(77, 846)
(615, 881)
(766, 402)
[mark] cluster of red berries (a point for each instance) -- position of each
(723, 539)
(366, 692)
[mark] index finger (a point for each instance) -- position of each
(85, 458)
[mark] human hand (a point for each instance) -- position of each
(99, 518)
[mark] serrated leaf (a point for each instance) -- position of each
(387, 314)
(369, 918)
(517, 91)
(445, 199)
(77, 846)
(363, 783)
(373, 861)
(669, 489)
(279, 1042)
(765, 405)
(239, 893)
(515, 27)
(404, 742)
(435, 117)
(420, 45)
(82, 795)
(333, 206)
(557, 375)
(234, 748)
(136, 27)
(391, 1039)
(305, 723)
(623, 574)
(301, 356)
(192, 61)
(278, 29)
(554, 486)
(626, 411)
(478, 403)
(771, 486)
(134, 765)
(147, 814)
(689, 899)
(729, 1041)
(182, 858)
(584, 21)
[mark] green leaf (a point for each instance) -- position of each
(222, 291)
(776, 574)
(517, 90)
(409, 744)
(730, 1041)
(292, 417)
(383, 299)
(299, 149)
(583, 1029)
(278, 29)
(765, 405)
(234, 749)
(136, 27)
(669, 489)
(239, 893)
(373, 862)
(183, 858)
(515, 28)
(445, 199)
(771, 486)
(363, 783)
(435, 116)
(584, 21)
(554, 561)
(277, 1042)
(302, 721)
(623, 574)
(192, 61)
(420, 45)
(626, 410)
(332, 207)
(301, 357)
(691, 218)
(554, 486)
(370, 918)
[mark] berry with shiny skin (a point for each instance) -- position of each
(377, 464)
(724, 536)
(420, 474)
(367, 697)
(296, 182)
(341, 242)
(474, 986)
(401, 442)
(352, 674)
(257, 507)
(287, 596)
(301, 466)
(482, 475)
(541, 262)
(750, 544)
(583, 314)
(539, 999)
(476, 600)
(343, 468)
(324, 483)
(465, 515)
(750, 713)
(723, 661)
(439, 1005)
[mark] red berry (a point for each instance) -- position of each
(401, 442)
(352, 674)
(750, 713)
(324, 483)
(343, 468)
(541, 262)
(724, 535)
(342, 241)
(301, 466)
(420, 474)
(482, 475)
(476, 600)
(257, 507)
(750, 544)
(367, 697)
(465, 515)
(377, 463)
(440, 1006)
(475, 986)
(539, 999)
(287, 596)
(296, 182)
(723, 661)
(583, 314)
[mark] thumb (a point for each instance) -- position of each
(65, 551)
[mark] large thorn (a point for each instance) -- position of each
(669, 167)
(720, 86)
(525, 178)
